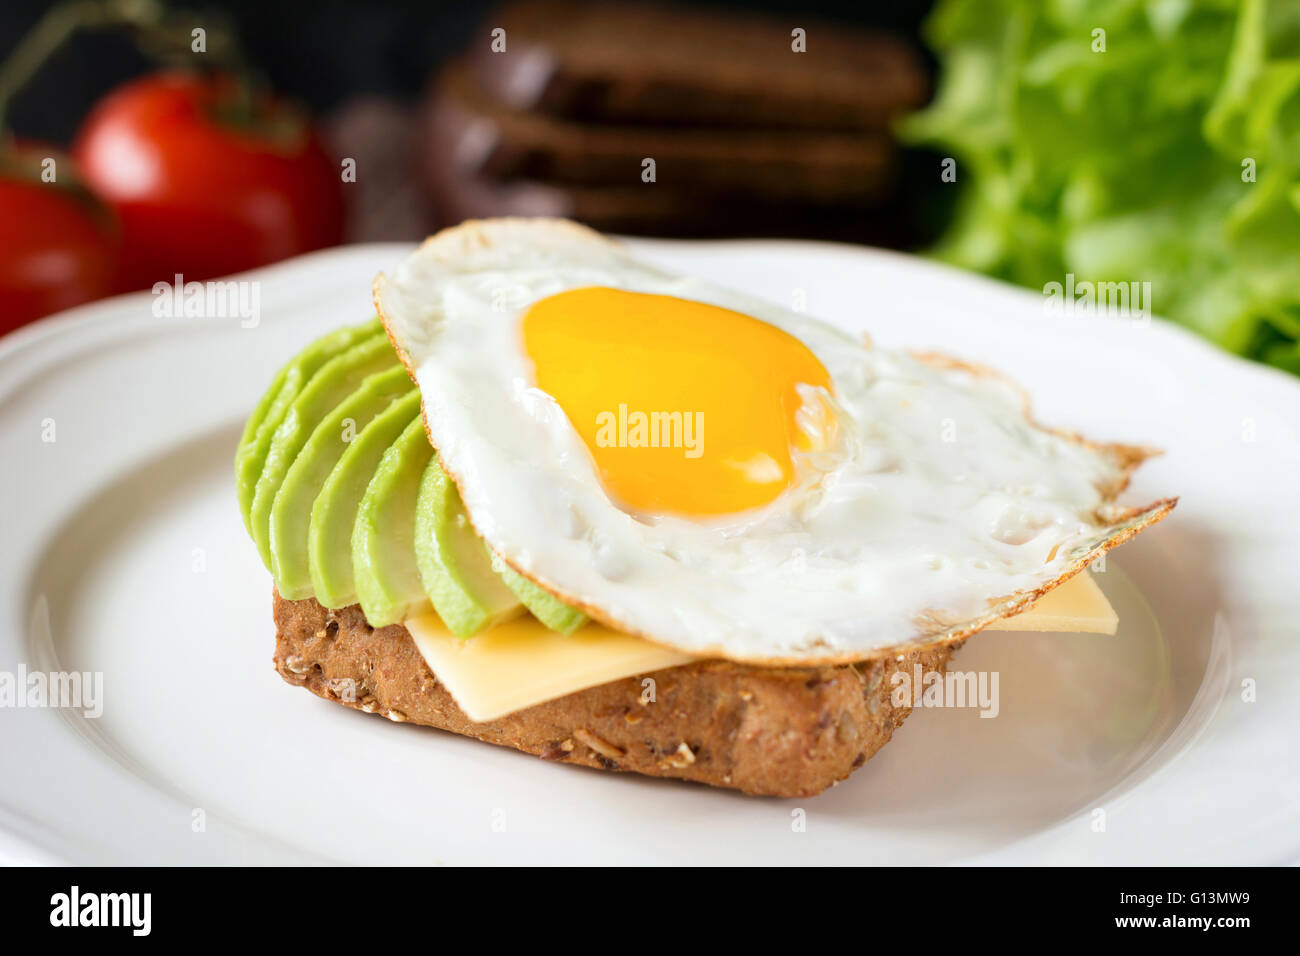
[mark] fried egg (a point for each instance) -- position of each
(727, 477)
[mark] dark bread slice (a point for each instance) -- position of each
(469, 130)
(464, 161)
(786, 732)
(647, 63)
(660, 210)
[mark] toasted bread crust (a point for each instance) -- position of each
(774, 731)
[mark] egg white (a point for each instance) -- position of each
(942, 507)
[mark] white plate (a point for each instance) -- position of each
(124, 554)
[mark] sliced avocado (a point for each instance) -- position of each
(334, 512)
(542, 604)
(454, 563)
(383, 539)
(270, 411)
(291, 510)
(333, 382)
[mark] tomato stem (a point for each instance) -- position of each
(162, 34)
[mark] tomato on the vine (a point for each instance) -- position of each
(208, 178)
(57, 248)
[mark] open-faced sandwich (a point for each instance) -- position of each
(559, 500)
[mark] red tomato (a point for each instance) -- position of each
(54, 251)
(205, 185)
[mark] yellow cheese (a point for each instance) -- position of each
(520, 663)
(1076, 606)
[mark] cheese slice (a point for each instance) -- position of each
(1077, 606)
(520, 662)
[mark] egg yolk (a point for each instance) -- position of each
(686, 408)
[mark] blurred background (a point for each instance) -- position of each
(1111, 140)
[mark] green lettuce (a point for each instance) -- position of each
(1172, 157)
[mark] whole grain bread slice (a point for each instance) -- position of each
(471, 132)
(773, 731)
(655, 64)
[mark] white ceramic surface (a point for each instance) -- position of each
(124, 554)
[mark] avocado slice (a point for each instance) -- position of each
(383, 538)
(542, 604)
(334, 512)
(455, 565)
(332, 383)
(270, 411)
(291, 510)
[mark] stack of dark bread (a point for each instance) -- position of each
(668, 121)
